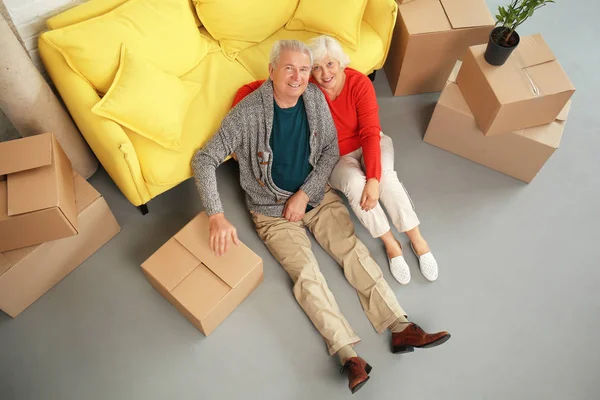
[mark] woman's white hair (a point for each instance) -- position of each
(324, 45)
(282, 45)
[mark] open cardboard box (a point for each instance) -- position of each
(430, 35)
(520, 154)
(530, 89)
(37, 201)
(27, 273)
(203, 287)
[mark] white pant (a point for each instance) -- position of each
(348, 177)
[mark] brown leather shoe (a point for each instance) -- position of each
(413, 336)
(358, 371)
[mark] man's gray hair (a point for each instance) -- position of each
(293, 45)
(323, 45)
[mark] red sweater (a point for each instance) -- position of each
(356, 116)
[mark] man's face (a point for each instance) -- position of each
(291, 74)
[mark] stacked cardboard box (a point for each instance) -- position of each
(51, 220)
(429, 36)
(37, 201)
(508, 118)
(203, 287)
(529, 90)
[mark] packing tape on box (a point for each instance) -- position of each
(534, 88)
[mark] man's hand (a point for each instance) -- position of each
(295, 207)
(370, 195)
(221, 232)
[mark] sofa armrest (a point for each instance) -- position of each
(106, 138)
(381, 15)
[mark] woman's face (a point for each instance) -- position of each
(327, 72)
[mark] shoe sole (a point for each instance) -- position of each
(410, 349)
(360, 385)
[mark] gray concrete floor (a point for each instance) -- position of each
(518, 285)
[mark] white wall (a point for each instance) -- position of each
(29, 17)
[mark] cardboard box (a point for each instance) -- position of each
(530, 89)
(430, 35)
(203, 287)
(37, 201)
(520, 154)
(27, 273)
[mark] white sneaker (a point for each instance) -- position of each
(427, 265)
(399, 269)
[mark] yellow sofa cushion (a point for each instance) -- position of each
(161, 31)
(87, 10)
(238, 25)
(365, 58)
(148, 101)
(220, 79)
(337, 18)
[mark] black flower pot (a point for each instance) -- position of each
(497, 54)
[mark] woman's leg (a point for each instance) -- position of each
(399, 206)
(418, 242)
(392, 245)
(348, 177)
(393, 195)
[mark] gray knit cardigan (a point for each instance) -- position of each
(246, 130)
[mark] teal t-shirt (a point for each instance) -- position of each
(291, 147)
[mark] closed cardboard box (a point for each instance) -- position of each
(430, 35)
(27, 273)
(37, 201)
(520, 154)
(530, 89)
(203, 287)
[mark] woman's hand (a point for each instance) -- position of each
(221, 233)
(370, 195)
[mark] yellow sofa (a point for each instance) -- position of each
(82, 61)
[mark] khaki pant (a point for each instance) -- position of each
(331, 226)
(349, 178)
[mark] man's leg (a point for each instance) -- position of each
(290, 246)
(331, 225)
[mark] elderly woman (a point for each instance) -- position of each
(365, 172)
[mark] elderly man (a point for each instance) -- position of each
(286, 146)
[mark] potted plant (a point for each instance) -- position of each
(504, 37)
